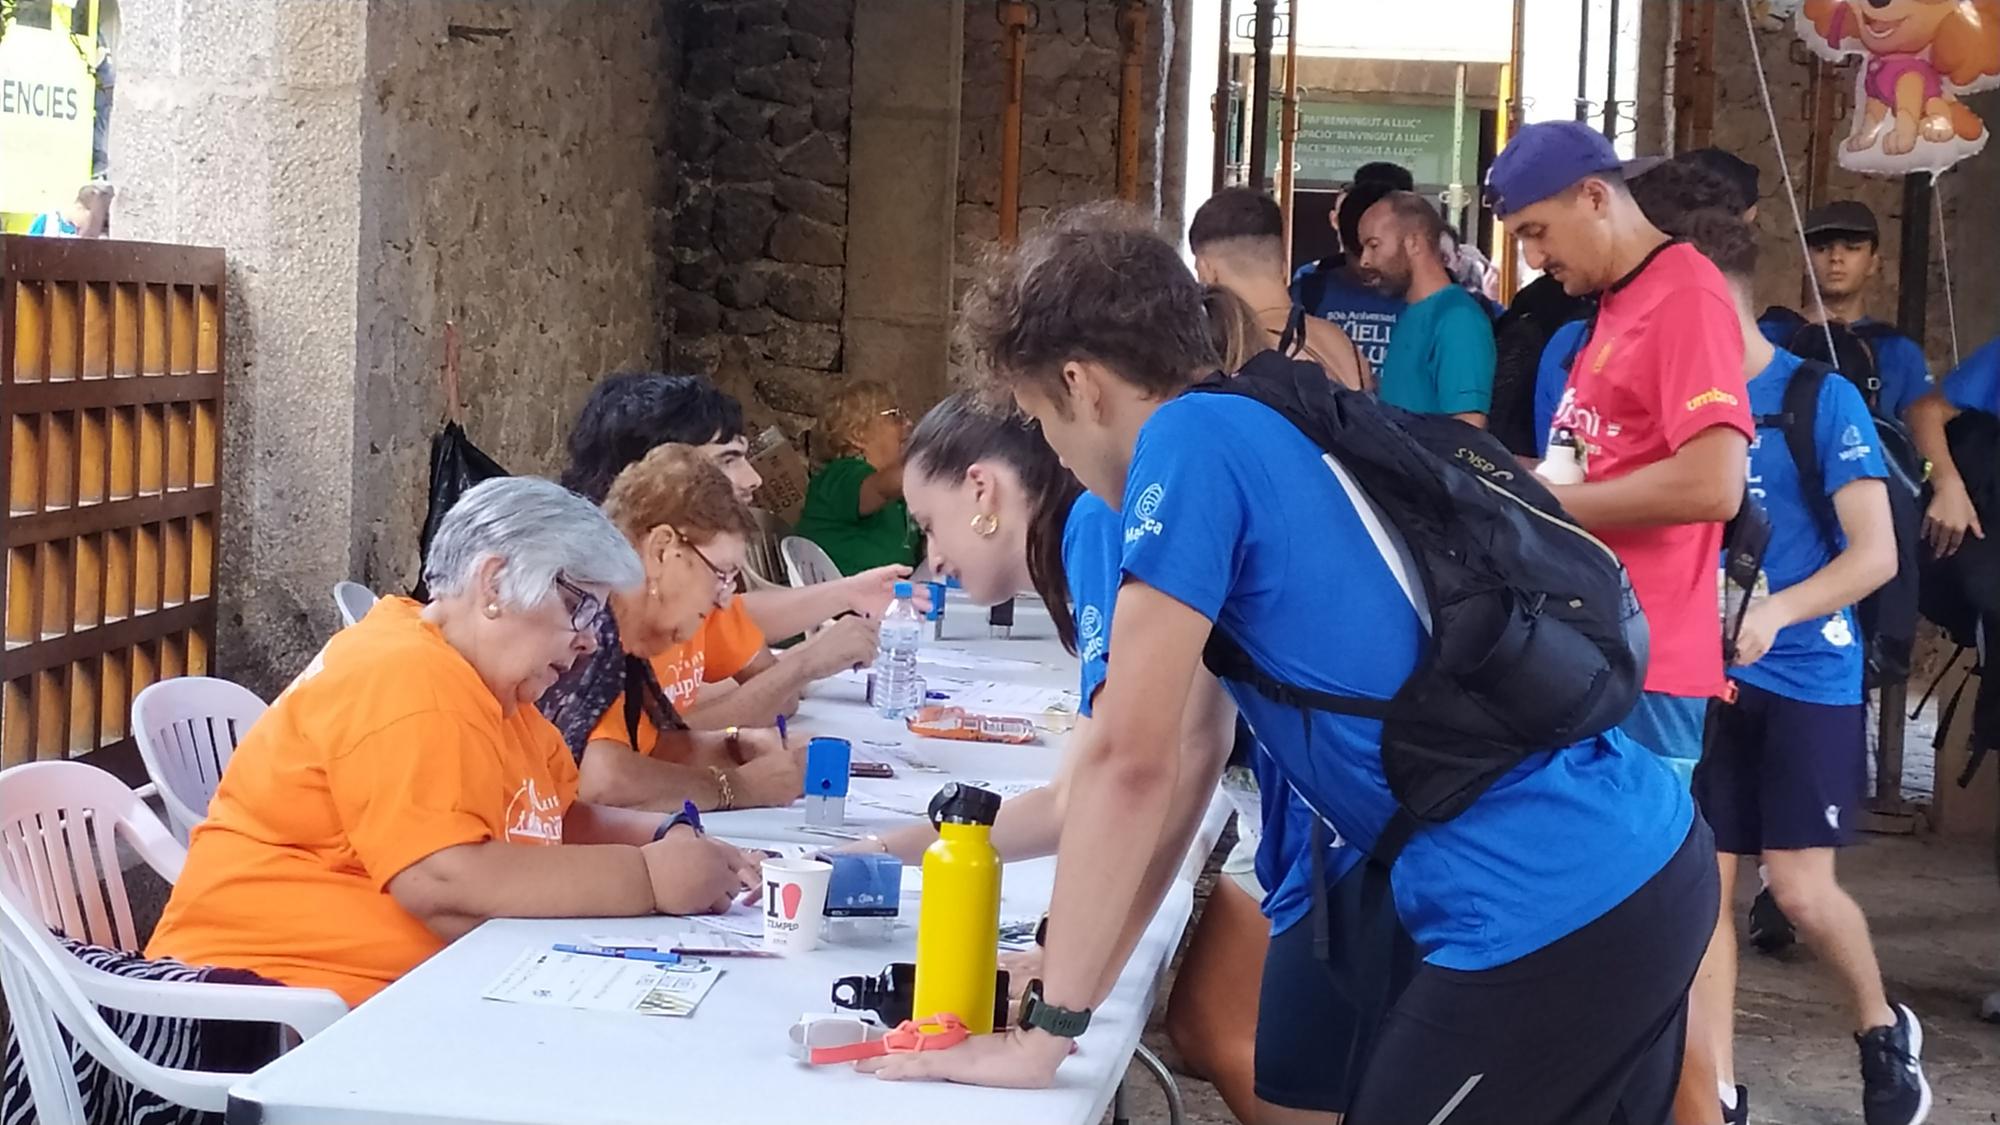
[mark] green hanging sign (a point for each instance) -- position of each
(1337, 137)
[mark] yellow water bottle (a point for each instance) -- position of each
(958, 924)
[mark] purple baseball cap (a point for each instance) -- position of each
(1543, 159)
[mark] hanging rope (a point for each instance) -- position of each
(1944, 248)
(1785, 170)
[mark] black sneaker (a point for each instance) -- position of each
(1770, 931)
(1892, 1075)
(1738, 1114)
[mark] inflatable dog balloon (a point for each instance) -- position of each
(1917, 57)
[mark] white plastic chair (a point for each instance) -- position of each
(806, 564)
(187, 728)
(58, 858)
(353, 600)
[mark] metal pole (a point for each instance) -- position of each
(1611, 75)
(1914, 271)
(1132, 22)
(1260, 94)
(1583, 64)
(1455, 197)
(1013, 16)
(1222, 84)
(1288, 129)
(1504, 247)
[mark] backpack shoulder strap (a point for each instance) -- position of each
(1292, 340)
(1799, 422)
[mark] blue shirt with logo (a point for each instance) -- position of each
(1820, 660)
(1366, 314)
(1091, 547)
(1899, 360)
(1090, 563)
(1975, 383)
(1552, 376)
(1304, 587)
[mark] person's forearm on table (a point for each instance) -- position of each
(612, 774)
(453, 890)
(755, 702)
(782, 612)
(588, 823)
(1701, 483)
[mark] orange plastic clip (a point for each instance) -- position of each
(934, 1033)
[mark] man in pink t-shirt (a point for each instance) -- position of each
(1656, 400)
(1658, 403)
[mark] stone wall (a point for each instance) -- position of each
(374, 169)
(759, 231)
(1069, 116)
(1742, 127)
(239, 126)
(516, 173)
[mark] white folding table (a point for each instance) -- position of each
(428, 1050)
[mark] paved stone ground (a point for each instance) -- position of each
(1935, 909)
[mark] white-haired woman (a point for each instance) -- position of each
(405, 789)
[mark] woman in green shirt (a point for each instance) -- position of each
(854, 505)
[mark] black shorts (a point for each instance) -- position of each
(1780, 774)
(1317, 1018)
(1587, 1030)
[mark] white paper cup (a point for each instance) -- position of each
(794, 903)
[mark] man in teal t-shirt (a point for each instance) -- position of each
(1441, 353)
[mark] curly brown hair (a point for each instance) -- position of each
(677, 486)
(1096, 285)
(857, 403)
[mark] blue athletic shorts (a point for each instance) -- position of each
(1782, 775)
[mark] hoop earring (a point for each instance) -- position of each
(985, 524)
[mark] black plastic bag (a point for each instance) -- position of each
(456, 465)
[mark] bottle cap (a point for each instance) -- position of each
(904, 590)
(964, 804)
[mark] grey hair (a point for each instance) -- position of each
(539, 530)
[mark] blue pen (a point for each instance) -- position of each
(693, 817)
(781, 728)
(653, 955)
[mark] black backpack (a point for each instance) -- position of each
(1536, 640)
(1888, 617)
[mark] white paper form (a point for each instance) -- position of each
(604, 984)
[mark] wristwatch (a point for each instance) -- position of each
(1039, 1013)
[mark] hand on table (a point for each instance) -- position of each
(770, 777)
(1023, 1060)
(843, 644)
(694, 874)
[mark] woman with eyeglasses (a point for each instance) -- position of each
(405, 789)
(854, 505)
(682, 515)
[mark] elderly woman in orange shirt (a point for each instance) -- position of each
(405, 789)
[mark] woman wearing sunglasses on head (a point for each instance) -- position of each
(854, 505)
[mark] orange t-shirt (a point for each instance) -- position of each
(387, 749)
(726, 643)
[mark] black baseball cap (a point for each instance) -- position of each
(1844, 216)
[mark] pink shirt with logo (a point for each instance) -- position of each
(1664, 362)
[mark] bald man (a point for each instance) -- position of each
(1441, 354)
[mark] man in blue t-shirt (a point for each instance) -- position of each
(1337, 289)
(1440, 360)
(1972, 385)
(1560, 917)
(1785, 771)
(1846, 242)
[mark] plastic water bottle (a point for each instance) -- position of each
(898, 691)
(1564, 463)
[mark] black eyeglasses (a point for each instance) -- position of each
(724, 579)
(584, 608)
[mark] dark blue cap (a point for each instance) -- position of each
(1543, 159)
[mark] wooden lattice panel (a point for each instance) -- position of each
(110, 434)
